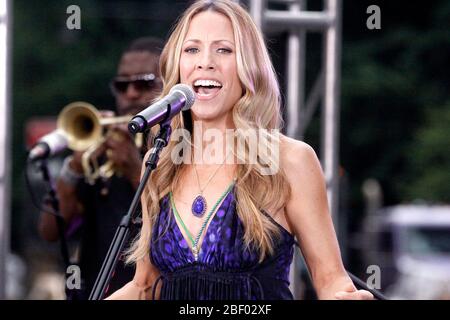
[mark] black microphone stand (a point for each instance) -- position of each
(54, 203)
(116, 247)
(359, 283)
(60, 223)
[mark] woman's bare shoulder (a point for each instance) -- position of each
(296, 155)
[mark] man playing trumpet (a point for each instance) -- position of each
(101, 205)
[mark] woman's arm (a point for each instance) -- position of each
(141, 287)
(307, 212)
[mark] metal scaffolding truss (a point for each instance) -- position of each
(297, 22)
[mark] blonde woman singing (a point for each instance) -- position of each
(226, 229)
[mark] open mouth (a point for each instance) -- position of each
(206, 89)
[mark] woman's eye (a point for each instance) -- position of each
(191, 50)
(224, 50)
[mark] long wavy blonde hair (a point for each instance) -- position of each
(258, 108)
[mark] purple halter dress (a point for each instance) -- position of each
(224, 270)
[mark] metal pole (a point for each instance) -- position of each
(4, 142)
(309, 20)
(256, 11)
(330, 134)
(295, 74)
(295, 105)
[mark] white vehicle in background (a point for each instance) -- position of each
(411, 245)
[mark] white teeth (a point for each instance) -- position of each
(207, 83)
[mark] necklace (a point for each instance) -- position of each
(199, 205)
(195, 242)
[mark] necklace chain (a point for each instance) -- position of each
(210, 178)
(194, 242)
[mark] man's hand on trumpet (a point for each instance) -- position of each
(123, 152)
(76, 162)
(118, 147)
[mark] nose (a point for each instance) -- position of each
(206, 61)
(131, 92)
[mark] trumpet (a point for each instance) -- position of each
(83, 126)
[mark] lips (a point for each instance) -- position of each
(206, 89)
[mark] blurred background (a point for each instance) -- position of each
(394, 128)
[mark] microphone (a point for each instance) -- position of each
(180, 98)
(48, 145)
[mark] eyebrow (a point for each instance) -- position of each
(214, 42)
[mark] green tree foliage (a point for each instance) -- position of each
(390, 80)
(429, 170)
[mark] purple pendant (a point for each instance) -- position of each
(199, 206)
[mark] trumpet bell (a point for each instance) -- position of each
(81, 123)
(85, 130)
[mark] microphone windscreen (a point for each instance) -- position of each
(187, 91)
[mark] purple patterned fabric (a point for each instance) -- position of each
(224, 270)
